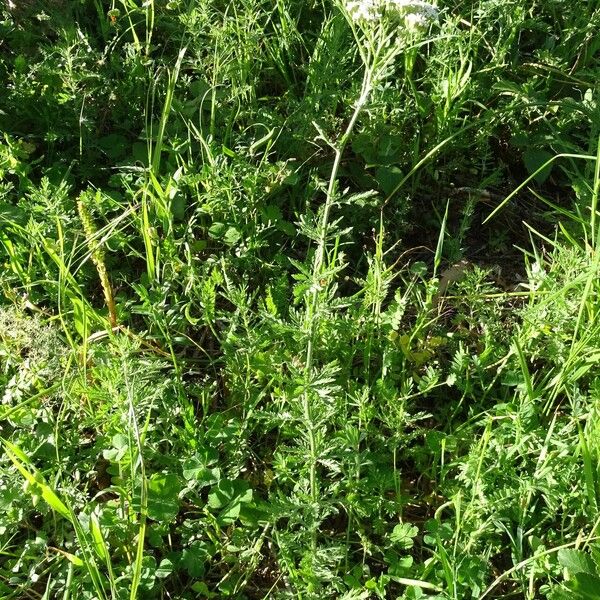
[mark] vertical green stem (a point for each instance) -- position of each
(324, 225)
(149, 25)
(315, 293)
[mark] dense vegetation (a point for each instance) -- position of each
(299, 299)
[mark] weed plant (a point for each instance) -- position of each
(299, 299)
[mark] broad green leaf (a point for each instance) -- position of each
(230, 513)
(80, 316)
(229, 495)
(12, 214)
(17, 452)
(217, 230)
(576, 561)
(120, 447)
(113, 145)
(197, 468)
(164, 569)
(195, 558)
(163, 497)
(586, 585)
(534, 159)
(229, 490)
(178, 206)
(388, 178)
(232, 236)
(204, 476)
(403, 535)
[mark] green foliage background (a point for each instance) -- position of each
(442, 441)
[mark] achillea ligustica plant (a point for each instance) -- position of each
(380, 41)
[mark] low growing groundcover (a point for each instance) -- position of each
(299, 299)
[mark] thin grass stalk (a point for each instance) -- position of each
(149, 24)
(594, 202)
(139, 436)
(154, 156)
(528, 561)
(173, 77)
(68, 582)
(591, 483)
(531, 178)
(139, 554)
(61, 287)
(134, 35)
(595, 262)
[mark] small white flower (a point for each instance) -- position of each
(415, 20)
(364, 10)
(416, 13)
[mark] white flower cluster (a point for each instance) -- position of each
(415, 13)
(364, 10)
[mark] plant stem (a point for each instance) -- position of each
(323, 228)
(316, 290)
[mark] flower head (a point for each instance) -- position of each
(364, 10)
(415, 13)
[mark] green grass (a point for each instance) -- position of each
(299, 306)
